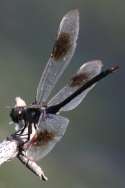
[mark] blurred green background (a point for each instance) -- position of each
(92, 152)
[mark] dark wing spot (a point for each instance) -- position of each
(61, 46)
(42, 138)
(79, 79)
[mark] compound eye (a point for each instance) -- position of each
(14, 115)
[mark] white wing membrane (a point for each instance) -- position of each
(86, 72)
(61, 55)
(50, 131)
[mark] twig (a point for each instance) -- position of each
(9, 149)
(31, 165)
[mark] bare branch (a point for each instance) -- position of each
(9, 149)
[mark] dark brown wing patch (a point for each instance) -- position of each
(42, 138)
(62, 46)
(79, 79)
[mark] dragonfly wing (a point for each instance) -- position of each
(49, 132)
(61, 55)
(86, 72)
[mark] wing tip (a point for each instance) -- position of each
(85, 72)
(96, 62)
(73, 12)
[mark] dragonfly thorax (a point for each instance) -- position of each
(32, 115)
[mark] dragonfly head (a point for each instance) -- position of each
(17, 113)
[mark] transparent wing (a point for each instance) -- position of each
(86, 72)
(50, 131)
(61, 55)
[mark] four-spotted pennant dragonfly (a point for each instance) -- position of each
(40, 125)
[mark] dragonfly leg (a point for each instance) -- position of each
(25, 136)
(29, 131)
(20, 132)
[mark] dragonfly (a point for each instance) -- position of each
(41, 125)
